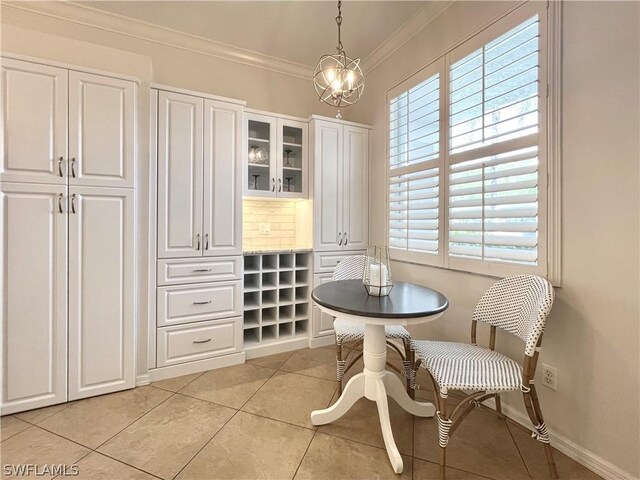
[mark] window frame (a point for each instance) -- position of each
(549, 124)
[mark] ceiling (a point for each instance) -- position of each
(297, 31)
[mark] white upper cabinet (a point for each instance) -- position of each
(328, 174)
(101, 140)
(101, 291)
(355, 187)
(180, 144)
(199, 175)
(276, 157)
(34, 296)
(34, 123)
(341, 158)
(222, 211)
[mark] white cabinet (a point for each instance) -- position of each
(179, 174)
(322, 322)
(34, 296)
(199, 201)
(68, 146)
(341, 157)
(101, 323)
(276, 157)
(101, 140)
(34, 123)
(62, 126)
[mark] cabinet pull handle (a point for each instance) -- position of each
(273, 184)
(201, 269)
(197, 241)
(73, 167)
(279, 184)
(202, 303)
(202, 341)
(60, 167)
(60, 203)
(206, 241)
(346, 240)
(340, 238)
(73, 203)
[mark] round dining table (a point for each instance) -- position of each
(406, 304)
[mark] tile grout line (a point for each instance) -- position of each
(526, 467)
(225, 424)
(184, 386)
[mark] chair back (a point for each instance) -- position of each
(520, 305)
(350, 268)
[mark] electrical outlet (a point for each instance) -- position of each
(549, 376)
(264, 228)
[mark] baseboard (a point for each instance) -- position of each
(142, 380)
(584, 457)
(172, 371)
(322, 341)
(272, 349)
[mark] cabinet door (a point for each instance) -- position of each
(179, 175)
(328, 179)
(101, 267)
(322, 322)
(33, 123)
(293, 163)
(260, 153)
(222, 225)
(33, 296)
(355, 187)
(101, 130)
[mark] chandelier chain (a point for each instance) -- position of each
(339, 23)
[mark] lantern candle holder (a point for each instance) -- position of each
(377, 272)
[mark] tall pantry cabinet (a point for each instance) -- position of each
(67, 217)
(340, 193)
(199, 233)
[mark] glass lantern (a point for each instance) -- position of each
(377, 272)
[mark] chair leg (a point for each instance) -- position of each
(408, 368)
(499, 406)
(444, 425)
(339, 366)
(540, 429)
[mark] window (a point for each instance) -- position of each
(468, 151)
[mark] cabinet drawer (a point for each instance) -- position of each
(188, 270)
(326, 262)
(186, 343)
(194, 303)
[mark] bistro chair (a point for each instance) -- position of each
(350, 334)
(519, 305)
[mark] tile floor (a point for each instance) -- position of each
(252, 421)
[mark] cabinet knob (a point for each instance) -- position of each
(346, 240)
(73, 167)
(73, 203)
(206, 241)
(279, 184)
(60, 203)
(206, 302)
(202, 341)
(60, 167)
(340, 238)
(197, 241)
(273, 184)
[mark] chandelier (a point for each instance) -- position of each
(338, 78)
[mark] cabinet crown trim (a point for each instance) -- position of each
(184, 91)
(341, 122)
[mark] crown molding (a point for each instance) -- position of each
(111, 22)
(421, 19)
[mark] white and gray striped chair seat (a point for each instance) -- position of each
(348, 331)
(462, 366)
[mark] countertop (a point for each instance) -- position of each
(268, 251)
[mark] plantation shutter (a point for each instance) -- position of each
(414, 170)
(494, 167)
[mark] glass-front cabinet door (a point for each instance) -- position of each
(292, 158)
(261, 152)
(276, 157)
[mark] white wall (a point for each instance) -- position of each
(593, 333)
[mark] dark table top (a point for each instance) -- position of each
(406, 300)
